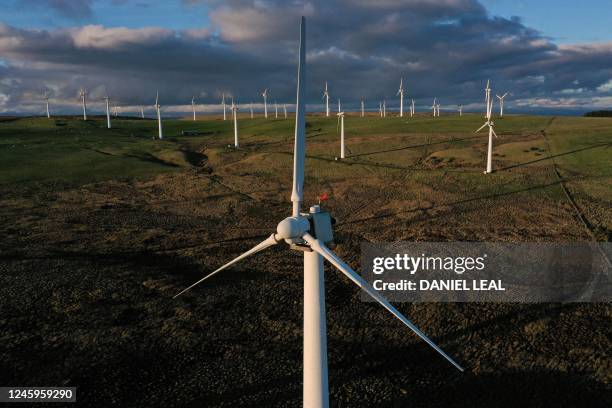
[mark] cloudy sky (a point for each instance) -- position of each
(549, 54)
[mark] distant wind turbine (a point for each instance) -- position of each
(460, 110)
(380, 109)
(159, 118)
(339, 106)
(501, 104)
(142, 112)
(251, 109)
(434, 106)
(492, 133)
(326, 97)
(108, 120)
(46, 99)
(285, 109)
(223, 103)
(487, 97)
(83, 94)
(193, 107)
(341, 124)
(275, 110)
(235, 116)
(400, 92)
(362, 107)
(265, 98)
(438, 110)
(384, 108)
(412, 110)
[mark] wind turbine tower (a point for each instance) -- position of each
(224, 105)
(46, 99)
(108, 120)
(235, 116)
(142, 112)
(400, 92)
(83, 94)
(309, 232)
(384, 108)
(285, 109)
(159, 118)
(265, 98)
(460, 110)
(326, 97)
(412, 111)
(251, 109)
(501, 104)
(193, 106)
(275, 110)
(341, 120)
(362, 107)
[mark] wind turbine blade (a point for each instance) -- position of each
(327, 253)
(271, 240)
(494, 134)
(299, 151)
(482, 127)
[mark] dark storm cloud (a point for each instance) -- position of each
(443, 48)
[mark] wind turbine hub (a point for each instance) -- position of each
(291, 229)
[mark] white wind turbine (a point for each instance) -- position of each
(380, 109)
(83, 95)
(487, 97)
(400, 92)
(46, 99)
(251, 109)
(384, 108)
(285, 109)
(142, 112)
(412, 111)
(492, 133)
(438, 110)
(235, 117)
(326, 97)
(265, 98)
(501, 104)
(339, 106)
(193, 107)
(434, 107)
(275, 110)
(224, 106)
(108, 119)
(341, 124)
(159, 118)
(362, 107)
(309, 232)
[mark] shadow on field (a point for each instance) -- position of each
(606, 145)
(451, 204)
(414, 146)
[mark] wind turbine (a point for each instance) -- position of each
(460, 110)
(159, 118)
(487, 96)
(400, 92)
(438, 110)
(501, 104)
(223, 103)
(285, 109)
(326, 97)
(108, 120)
(142, 112)
(492, 133)
(412, 110)
(380, 109)
(309, 232)
(339, 106)
(193, 107)
(265, 98)
(83, 94)
(384, 108)
(235, 116)
(251, 109)
(362, 107)
(46, 99)
(341, 123)
(275, 110)
(434, 107)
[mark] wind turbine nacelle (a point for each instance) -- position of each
(318, 224)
